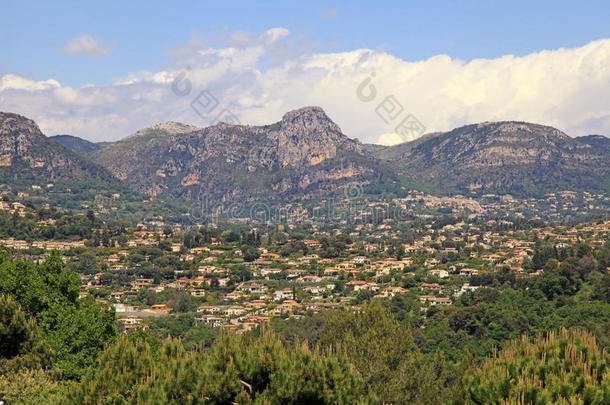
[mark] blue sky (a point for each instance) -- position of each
(103, 70)
(32, 33)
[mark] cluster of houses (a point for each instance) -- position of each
(437, 266)
(445, 275)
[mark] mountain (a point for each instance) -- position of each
(599, 142)
(504, 157)
(302, 156)
(76, 144)
(27, 156)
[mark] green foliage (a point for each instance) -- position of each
(385, 355)
(334, 246)
(183, 326)
(31, 386)
(486, 319)
(77, 333)
(564, 367)
(22, 355)
(74, 330)
(66, 226)
(20, 345)
(15, 330)
(248, 369)
(308, 328)
(250, 253)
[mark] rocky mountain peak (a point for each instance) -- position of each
(166, 128)
(10, 123)
(308, 136)
(599, 143)
(173, 127)
(302, 153)
(596, 137)
(515, 127)
(510, 128)
(311, 118)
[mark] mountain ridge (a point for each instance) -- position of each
(505, 156)
(306, 155)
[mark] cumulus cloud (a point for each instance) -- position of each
(372, 95)
(9, 81)
(87, 45)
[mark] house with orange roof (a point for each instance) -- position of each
(312, 243)
(431, 286)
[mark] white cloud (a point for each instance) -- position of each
(9, 81)
(565, 88)
(275, 34)
(87, 45)
(390, 139)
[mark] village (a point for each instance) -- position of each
(238, 280)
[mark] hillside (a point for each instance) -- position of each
(598, 142)
(76, 144)
(504, 157)
(302, 156)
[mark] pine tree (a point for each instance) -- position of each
(563, 367)
(246, 369)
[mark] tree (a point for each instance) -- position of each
(586, 265)
(250, 253)
(382, 351)
(230, 236)
(77, 333)
(279, 238)
(601, 288)
(20, 345)
(582, 250)
(243, 272)
(566, 366)
(251, 368)
(151, 297)
(399, 251)
(23, 354)
(74, 330)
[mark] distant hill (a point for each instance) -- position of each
(76, 144)
(26, 154)
(504, 157)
